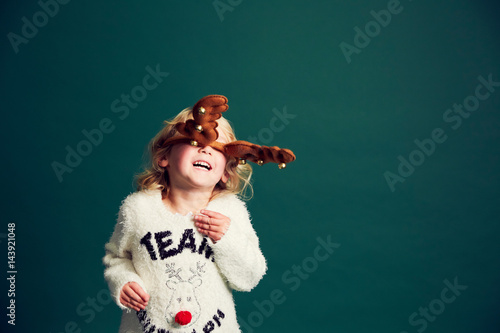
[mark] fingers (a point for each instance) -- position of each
(205, 227)
(133, 296)
(128, 302)
(212, 224)
(215, 236)
(213, 214)
(219, 224)
(139, 292)
(212, 218)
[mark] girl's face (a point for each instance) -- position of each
(191, 167)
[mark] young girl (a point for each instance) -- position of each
(184, 240)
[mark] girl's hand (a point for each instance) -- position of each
(133, 296)
(212, 224)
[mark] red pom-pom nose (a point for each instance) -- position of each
(183, 317)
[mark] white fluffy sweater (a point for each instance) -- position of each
(179, 268)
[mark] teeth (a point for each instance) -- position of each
(202, 164)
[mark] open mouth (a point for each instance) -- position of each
(202, 165)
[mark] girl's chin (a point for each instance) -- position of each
(203, 185)
(200, 180)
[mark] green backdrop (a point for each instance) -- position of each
(386, 222)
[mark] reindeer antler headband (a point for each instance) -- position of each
(202, 130)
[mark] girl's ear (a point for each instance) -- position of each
(163, 162)
(225, 177)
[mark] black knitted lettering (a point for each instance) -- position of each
(146, 241)
(209, 327)
(151, 329)
(216, 319)
(188, 234)
(221, 314)
(209, 252)
(202, 246)
(146, 324)
(162, 244)
(142, 316)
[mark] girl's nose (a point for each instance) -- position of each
(206, 150)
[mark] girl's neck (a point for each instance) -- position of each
(183, 202)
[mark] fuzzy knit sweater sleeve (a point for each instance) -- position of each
(237, 253)
(119, 268)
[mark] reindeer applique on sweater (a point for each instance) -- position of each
(183, 307)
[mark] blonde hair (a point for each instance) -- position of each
(156, 177)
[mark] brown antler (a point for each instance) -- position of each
(206, 111)
(259, 154)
